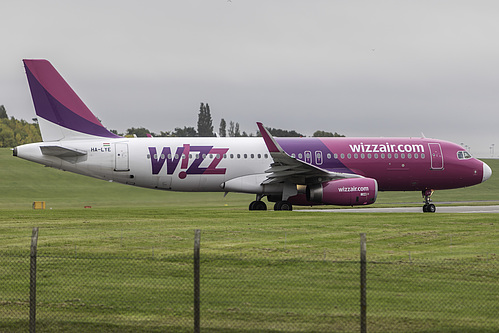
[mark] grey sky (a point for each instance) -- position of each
(360, 68)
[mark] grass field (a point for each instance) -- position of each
(261, 268)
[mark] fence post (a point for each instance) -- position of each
(197, 290)
(363, 276)
(32, 281)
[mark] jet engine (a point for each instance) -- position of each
(344, 192)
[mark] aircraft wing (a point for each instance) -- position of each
(286, 168)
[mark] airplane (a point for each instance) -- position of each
(304, 171)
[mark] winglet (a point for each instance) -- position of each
(62, 114)
(272, 145)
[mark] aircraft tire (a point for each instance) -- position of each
(283, 205)
(429, 208)
(257, 205)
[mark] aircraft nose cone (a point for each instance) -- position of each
(487, 172)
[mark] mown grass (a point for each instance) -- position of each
(125, 265)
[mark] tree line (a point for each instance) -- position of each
(205, 129)
(15, 132)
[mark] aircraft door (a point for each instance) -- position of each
(437, 158)
(121, 157)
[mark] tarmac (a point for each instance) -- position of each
(440, 209)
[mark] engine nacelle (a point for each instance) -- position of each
(344, 192)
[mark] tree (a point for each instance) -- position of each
(205, 124)
(230, 131)
(284, 133)
(139, 132)
(3, 112)
(116, 132)
(165, 134)
(326, 134)
(15, 132)
(183, 132)
(222, 131)
(237, 132)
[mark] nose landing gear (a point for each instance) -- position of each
(428, 207)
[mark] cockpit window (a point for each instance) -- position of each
(463, 155)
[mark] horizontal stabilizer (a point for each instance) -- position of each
(61, 151)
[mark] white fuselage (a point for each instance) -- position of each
(178, 164)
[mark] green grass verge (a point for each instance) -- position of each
(125, 264)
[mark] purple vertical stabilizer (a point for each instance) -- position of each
(56, 102)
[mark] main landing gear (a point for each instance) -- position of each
(428, 207)
(258, 204)
(283, 205)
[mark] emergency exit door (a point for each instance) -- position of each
(121, 157)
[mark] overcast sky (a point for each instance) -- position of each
(359, 68)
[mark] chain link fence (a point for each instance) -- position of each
(242, 290)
